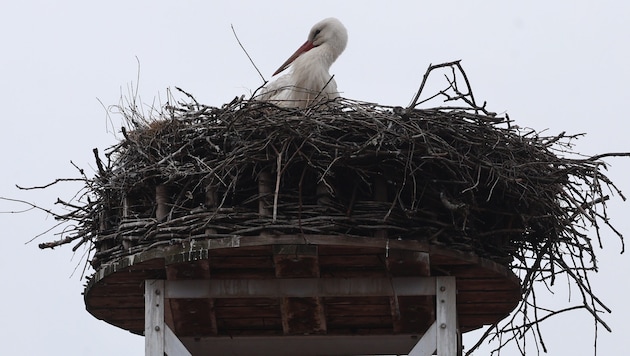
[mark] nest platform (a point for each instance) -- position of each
(486, 291)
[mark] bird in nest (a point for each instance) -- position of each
(309, 80)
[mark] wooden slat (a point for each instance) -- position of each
(365, 261)
(239, 302)
(352, 272)
(412, 314)
(258, 311)
(487, 297)
(357, 323)
(339, 250)
(197, 270)
(135, 326)
(302, 316)
(359, 309)
(114, 315)
(238, 251)
(230, 326)
(300, 287)
(408, 263)
(374, 300)
(122, 301)
(236, 273)
(193, 317)
(487, 284)
(296, 261)
(228, 262)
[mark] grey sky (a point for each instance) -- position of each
(559, 65)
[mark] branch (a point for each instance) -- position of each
(58, 180)
(424, 80)
(247, 54)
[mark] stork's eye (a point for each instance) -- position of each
(316, 33)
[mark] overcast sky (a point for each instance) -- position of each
(552, 65)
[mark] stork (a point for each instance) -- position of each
(309, 80)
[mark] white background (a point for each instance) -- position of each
(560, 66)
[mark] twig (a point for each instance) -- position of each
(432, 67)
(58, 180)
(247, 54)
(99, 163)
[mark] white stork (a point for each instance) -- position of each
(309, 80)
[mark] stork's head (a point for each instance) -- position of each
(328, 32)
(331, 32)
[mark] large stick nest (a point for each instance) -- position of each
(453, 177)
(456, 176)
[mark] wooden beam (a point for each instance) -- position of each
(304, 345)
(300, 287)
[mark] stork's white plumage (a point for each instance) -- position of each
(309, 79)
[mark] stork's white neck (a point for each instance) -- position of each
(317, 59)
(311, 70)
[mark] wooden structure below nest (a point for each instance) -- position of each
(337, 287)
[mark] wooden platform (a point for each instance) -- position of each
(486, 291)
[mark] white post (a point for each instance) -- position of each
(154, 317)
(159, 339)
(442, 335)
(446, 316)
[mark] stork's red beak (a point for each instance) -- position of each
(307, 46)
